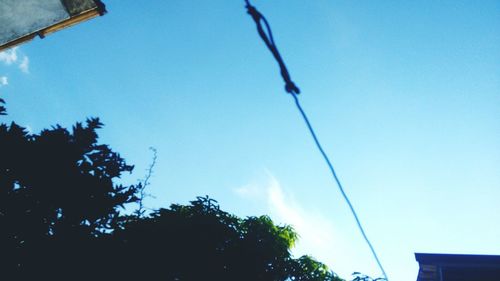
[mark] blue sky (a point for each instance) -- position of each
(404, 95)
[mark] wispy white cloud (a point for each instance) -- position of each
(318, 236)
(316, 233)
(4, 81)
(312, 228)
(9, 56)
(24, 65)
(250, 191)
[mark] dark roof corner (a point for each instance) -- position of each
(451, 267)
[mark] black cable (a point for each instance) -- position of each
(291, 88)
(332, 170)
(268, 39)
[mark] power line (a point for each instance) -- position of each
(267, 37)
(339, 184)
(292, 89)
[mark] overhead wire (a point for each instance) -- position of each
(290, 87)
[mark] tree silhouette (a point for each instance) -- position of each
(2, 108)
(60, 220)
(56, 186)
(201, 242)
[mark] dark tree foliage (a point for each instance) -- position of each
(56, 186)
(201, 242)
(357, 276)
(60, 220)
(2, 108)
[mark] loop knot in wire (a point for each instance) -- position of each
(267, 37)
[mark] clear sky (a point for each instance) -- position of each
(404, 95)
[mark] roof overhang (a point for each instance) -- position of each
(450, 267)
(21, 21)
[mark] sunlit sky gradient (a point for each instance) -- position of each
(404, 95)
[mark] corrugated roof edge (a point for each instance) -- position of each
(98, 10)
(76, 7)
(458, 259)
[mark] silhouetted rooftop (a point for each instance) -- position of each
(450, 267)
